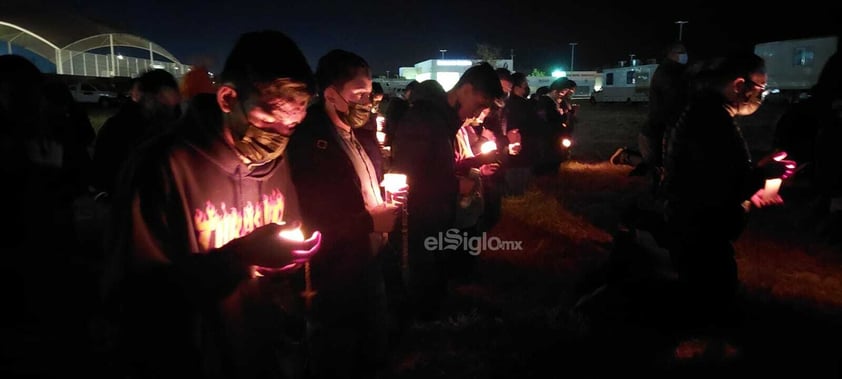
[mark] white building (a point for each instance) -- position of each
(446, 71)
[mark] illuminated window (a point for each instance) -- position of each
(804, 56)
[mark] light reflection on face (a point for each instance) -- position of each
(278, 106)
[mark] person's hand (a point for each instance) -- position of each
(399, 195)
(760, 200)
(775, 166)
(383, 217)
(487, 134)
(265, 247)
(488, 169)
(513, 136)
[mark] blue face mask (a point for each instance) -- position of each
(682, 58)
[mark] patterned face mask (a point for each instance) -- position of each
(257, 146)
(357, 114)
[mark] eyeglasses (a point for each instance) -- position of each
(764, 91)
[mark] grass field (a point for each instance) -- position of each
(513, 319)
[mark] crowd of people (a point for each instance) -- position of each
(241, 228)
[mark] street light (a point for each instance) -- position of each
(681, 28)
(442, 51)
(572, 51)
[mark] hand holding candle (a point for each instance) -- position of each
(294, 236)
(396, 188)
(265, 248)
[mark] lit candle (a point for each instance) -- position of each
(292, 234)
(566, 142)
(771, 188)
(381, 137)
(393, 183)
(513, 148)
(380, 122)
(487, 147)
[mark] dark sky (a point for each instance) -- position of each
(390, 34)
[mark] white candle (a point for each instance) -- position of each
(393, 182)
(513, 148)
(380, 122)
(771, 188)
(381, 137)
(488, 147)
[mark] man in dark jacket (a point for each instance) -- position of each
(340, 196)
(711, 183)
(136, 122)
(424, 150)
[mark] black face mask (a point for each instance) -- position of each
(357, 114)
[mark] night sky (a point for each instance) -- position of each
(390, 34)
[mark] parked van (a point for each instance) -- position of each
(625, 83)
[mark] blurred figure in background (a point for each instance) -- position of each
(159, 106)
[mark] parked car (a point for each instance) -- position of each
(87, 93)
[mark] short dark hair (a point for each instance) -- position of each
(504, 74)
(338, 67)
(155, 80)
(483, 78)
(410, 85)
(376, 88)
(562, 83)
(518, 78)
(718, 72)
(249, 64)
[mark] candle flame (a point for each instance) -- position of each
(393, 182)
(566, 142)
(381, 137)
(292, 234)
(488, 147)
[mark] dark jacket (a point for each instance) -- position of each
(709, 171)
(667, 98)
(331, 202)
(521, 116)
(423, 149)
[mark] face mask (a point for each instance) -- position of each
(682, 58)
(257, 146)
(260, 146)
(357, 114)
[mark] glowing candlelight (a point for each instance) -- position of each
(393, 183)
(771, 188)
(566, 142)
(381, 137)
(292, 234)
(488, 147)
(514, 148)
(380, 122)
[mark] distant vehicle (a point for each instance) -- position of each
(585, 82)
(625, 83)
(794, 65)
(87, 93)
